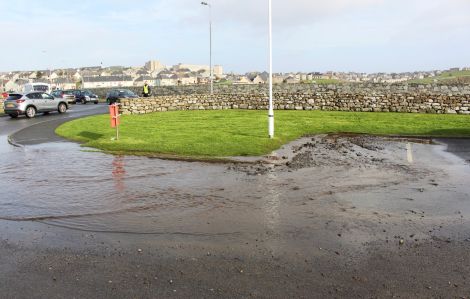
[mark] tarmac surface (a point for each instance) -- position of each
(326, 216)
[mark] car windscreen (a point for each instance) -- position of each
(14, 97)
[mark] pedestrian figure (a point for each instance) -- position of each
(146, 90)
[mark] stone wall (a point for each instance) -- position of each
(421, 101)
(351, 88)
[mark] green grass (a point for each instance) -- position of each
(244, 133)
(444, 77)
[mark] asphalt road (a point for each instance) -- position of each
(24, 131)
(345, 218)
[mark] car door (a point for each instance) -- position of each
(50, 104)
(37, 100)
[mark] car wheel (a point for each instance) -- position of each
(62, 108)
(30, 112)
(84, 101)
(13, 115)
(96, 102)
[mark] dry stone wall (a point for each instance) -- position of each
(424, 101)
(352, 88)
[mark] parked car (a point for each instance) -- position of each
(114, 95)
(32, 103)
(85, 96)
(67, 95)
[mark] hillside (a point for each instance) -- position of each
(446, 77)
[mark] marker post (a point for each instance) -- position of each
(115, 118)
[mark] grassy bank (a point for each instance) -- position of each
(242, 132)
(446, 77)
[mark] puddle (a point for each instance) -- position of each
(312, 179)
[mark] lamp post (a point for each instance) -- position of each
(271, 109)
(50, 80)
(210, 45)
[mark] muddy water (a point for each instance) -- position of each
(307, 185)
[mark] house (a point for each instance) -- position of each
(261, 78)
(142, 73)
(165, 79)
(187, 79)
(15, 85)
(142, 79)
(107, 81)
(292, 80)
(279, 79)
(242, 80)
(202, 80)
(314, 76)
(64, 83)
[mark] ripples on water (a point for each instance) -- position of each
(61, 184)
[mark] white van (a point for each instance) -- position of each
(41, 87)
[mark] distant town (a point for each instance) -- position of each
(157, 74)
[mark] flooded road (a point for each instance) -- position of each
(65, 185)
(320, 204)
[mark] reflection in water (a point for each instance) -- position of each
(409, 151)
(272, 203)
(119, 173)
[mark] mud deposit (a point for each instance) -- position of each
(325, 216)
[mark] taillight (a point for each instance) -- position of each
(20, 101)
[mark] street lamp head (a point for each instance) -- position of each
(205, 3)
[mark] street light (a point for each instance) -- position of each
(50, 80)
(210, 44)
(271, 109)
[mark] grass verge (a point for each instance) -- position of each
(244, 133)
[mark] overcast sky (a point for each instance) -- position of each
(309, 35)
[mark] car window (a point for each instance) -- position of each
(34, 96)
(72, 92)
(14, 97)
(47, 96)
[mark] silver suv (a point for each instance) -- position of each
(31, 103)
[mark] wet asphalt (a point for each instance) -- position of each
(340, 218)
(24, 131)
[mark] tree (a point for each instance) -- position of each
(79, 84)
(38, 74)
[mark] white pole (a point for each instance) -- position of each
(210, 45)
(271, 109)
(210, 48)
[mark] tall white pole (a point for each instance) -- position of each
(210, 45)
(210, 48)
(271, 108)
